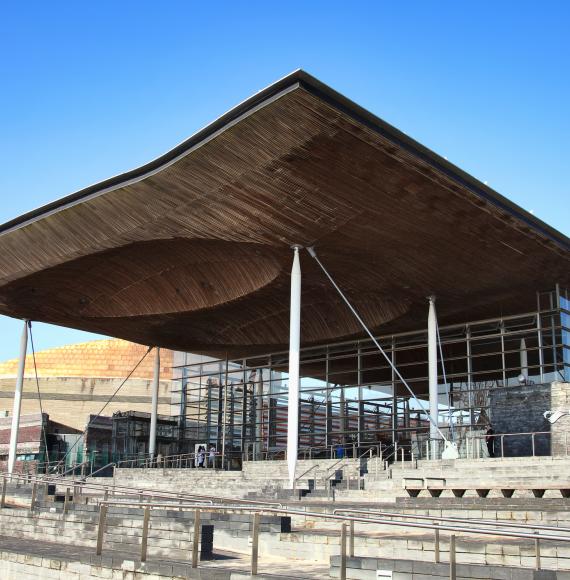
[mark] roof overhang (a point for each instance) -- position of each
(192, 251)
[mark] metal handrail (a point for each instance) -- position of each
(334, 467)
(370, 518)
(126, 490)
(338, 517)
(164, 462)
(436, 527)
(295, 481)
(120, 490)
(113, 464)
(400, 447)
(469, 438)
(493, 523)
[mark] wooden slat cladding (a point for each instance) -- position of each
(197, 255)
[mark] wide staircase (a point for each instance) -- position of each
(256, 479)
(392, 533)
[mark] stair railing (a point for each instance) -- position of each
(297, 479)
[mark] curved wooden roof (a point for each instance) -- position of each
(192, 251)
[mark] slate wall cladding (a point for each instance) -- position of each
(520, 409)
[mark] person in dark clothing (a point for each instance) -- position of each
(490, 440)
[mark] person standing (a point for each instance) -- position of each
(212, 456)
(201, 456)
(490, 440)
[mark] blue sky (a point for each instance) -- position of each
(90, 90)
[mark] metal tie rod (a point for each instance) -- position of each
(313, 254)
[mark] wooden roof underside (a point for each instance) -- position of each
(194, 254)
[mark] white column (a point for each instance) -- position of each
(524, 359)
(258, 444)
(154, 404)
(294, 346)
(432, 374)
(18, 400)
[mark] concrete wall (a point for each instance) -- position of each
(77, 379)
(70, 400)
(560, 398)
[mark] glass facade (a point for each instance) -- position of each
(350, 397)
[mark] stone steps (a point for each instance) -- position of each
(360, 568)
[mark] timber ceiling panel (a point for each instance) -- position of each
(193, 252)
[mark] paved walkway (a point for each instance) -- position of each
(268, 567)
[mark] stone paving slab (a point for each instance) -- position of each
(228, 564)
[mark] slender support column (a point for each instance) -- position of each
(328, 416)
(154, 405)
(394, 395)
(342, 417)
(225, 417)
(360, 405)
(259, 415)
(432, 374)
(18, 400)
(471, 394)
(539, 339)
(503, 358)
(524, 359)
(294, 346)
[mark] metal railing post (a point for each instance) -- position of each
(196, 539)
(351, 540)
(343, 551)
(3, 497)
(255, 544)
(436, 545)
(537, 552)
(502, 446)
(402, 454)
(144, 540)
(452, 567)
(66, 501)
(34, 493)
(532, 437)
(101, 529)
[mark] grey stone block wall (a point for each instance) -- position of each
(560, 398)
(520, 409)
(365, 568)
